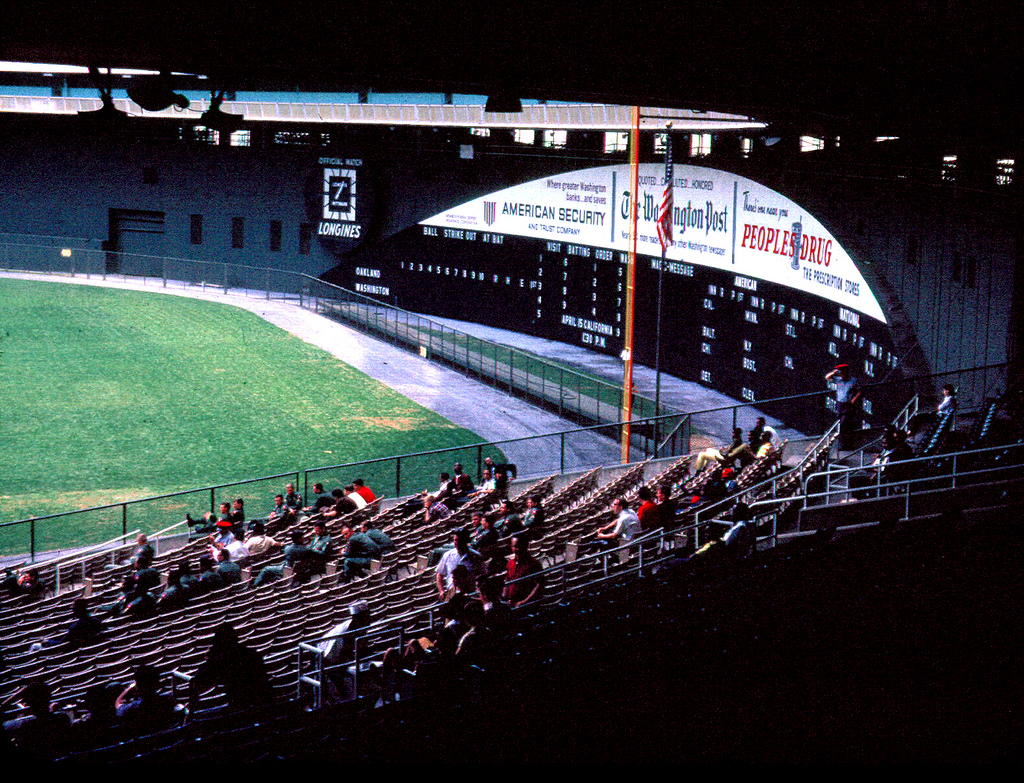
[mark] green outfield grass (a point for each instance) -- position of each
(111, 395)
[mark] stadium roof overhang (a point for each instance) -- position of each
(942, 69)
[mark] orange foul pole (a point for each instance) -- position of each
(627, 350)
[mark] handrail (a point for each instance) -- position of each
(954, 456)
(400, 625)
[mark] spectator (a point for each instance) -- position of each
(101, 727)
(622, 529)
(280, 514)
(297, 556)
(292, 499)
(434, 510)
(142, 549)
(507, 468)
(146, 577)
(360, 549)
(949, 403)
(322, 546)
(322, 500)
(847, 402)
(725, 455)
(520, 589)
(462, 554)
(43, 734)
(229, 571)
(238, 668)
(382, 539)
(647, 512)
(666, 507)
(258, 542)
(209, 578)
(355, 497)
(174, 595)
(364, 490)
(534, 517)
(141, 708)
(508, 522)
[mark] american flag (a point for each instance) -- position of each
(665, 212)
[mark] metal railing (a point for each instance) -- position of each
(633, 558)
(571, 394)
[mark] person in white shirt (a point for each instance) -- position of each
(622, 529)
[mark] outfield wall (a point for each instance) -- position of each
(939, 259)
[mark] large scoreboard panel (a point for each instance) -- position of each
(737, 314)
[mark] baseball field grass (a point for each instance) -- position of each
(111, 395)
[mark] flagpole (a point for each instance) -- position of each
(661, 277)
(627, 350)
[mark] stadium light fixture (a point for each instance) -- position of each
(155, 93)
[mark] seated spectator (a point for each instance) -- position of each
(292, 499)
(666, 507)
(364, 490)
(142, 548)
(382, 539)
(434, 510)
(322, 500)
(462, 485)
(189, 582)
(258, 542)
(84, 630)
(141, 709)
(209, 521)
(26, 583)
(238, 668)
(44, 734)
(174, 595)
(497, 613)
(132, 602)
(101, 727)
(622, 529)
(444, 489)
(486, 486)
(229, 571)
(354, 496)
(533, 517)
(280, 514)
(461, 554)
(209, 578)
(508, 522)
(322, 546)
(519, 589)
(360, 549)
(237, 518)
(725, 455)
(647, 511)
(146, 577)
(297, 556)
(343, 505)
(484, 538)
(476, 646)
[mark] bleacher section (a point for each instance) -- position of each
(717, 625)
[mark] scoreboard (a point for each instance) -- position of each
(739, 313)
